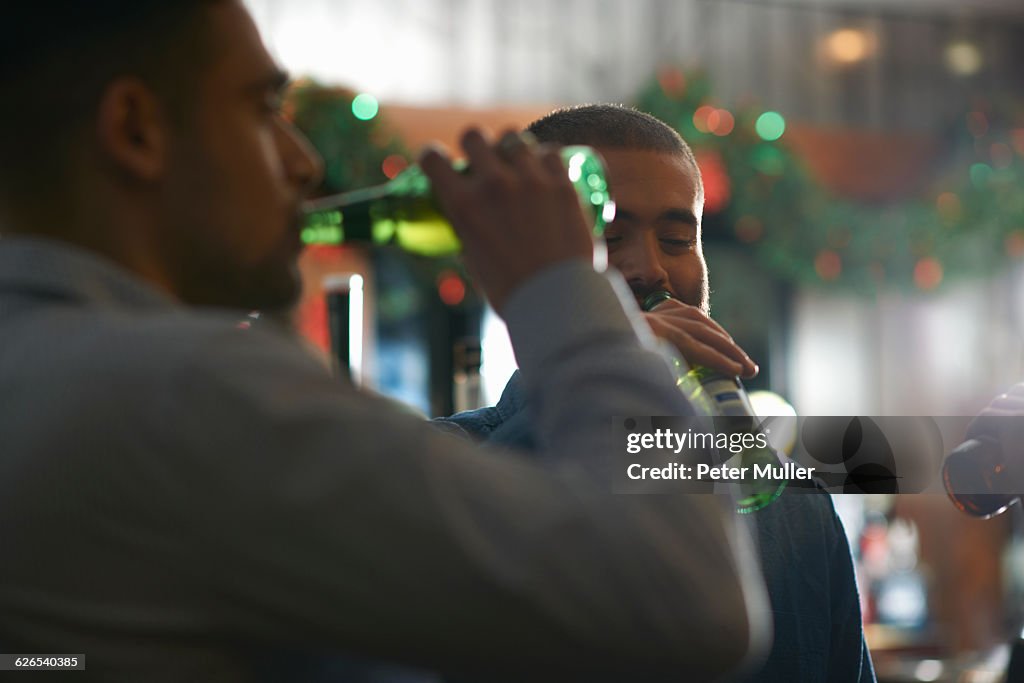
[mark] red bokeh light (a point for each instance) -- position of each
(828, 265)
(721, 122)
(717, 187)
(672, 81)
(701, 116)
(451, 288)
(927, 273)
(393, 164)
(1015, 244)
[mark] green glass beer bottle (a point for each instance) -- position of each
(403, 212)
(725, 400)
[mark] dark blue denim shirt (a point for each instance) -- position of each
(804, 555)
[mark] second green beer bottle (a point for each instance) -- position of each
(403, 212)
(725, 400)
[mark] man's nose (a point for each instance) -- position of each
(303, 165)
(640, 263)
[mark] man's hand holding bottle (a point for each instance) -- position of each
(700, 340)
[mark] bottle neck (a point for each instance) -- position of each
(654, 299)
(349, 216)
(343, 199)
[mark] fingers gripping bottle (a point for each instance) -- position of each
(723, 398)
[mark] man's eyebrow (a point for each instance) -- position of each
(674, 215)
(681, 216)
(275, 80)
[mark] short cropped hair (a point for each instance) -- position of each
(57, 57)
(612, 126)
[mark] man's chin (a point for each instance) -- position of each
(268, 292)
(276, 304)
(281, 296)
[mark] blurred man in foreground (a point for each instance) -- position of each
(181, 499)
(655, 242)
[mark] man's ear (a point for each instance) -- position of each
(131, 129)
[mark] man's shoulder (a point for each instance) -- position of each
(508, 423)
(78, 346)
(812, 502)
(807, 517)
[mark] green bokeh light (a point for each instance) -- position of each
(365, 107)
(980, 175)
(770, 126)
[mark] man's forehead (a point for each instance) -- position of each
(631, 161)
(238, 46)
(651, 176)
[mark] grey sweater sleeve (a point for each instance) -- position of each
(326, 518)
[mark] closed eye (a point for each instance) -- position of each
(273, 103)
(267, 91)
(677, 247)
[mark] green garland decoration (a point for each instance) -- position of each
(970, 222)
(361, 152)
(354, 149)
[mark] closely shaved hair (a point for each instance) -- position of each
(613, 126)
(56, 59)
